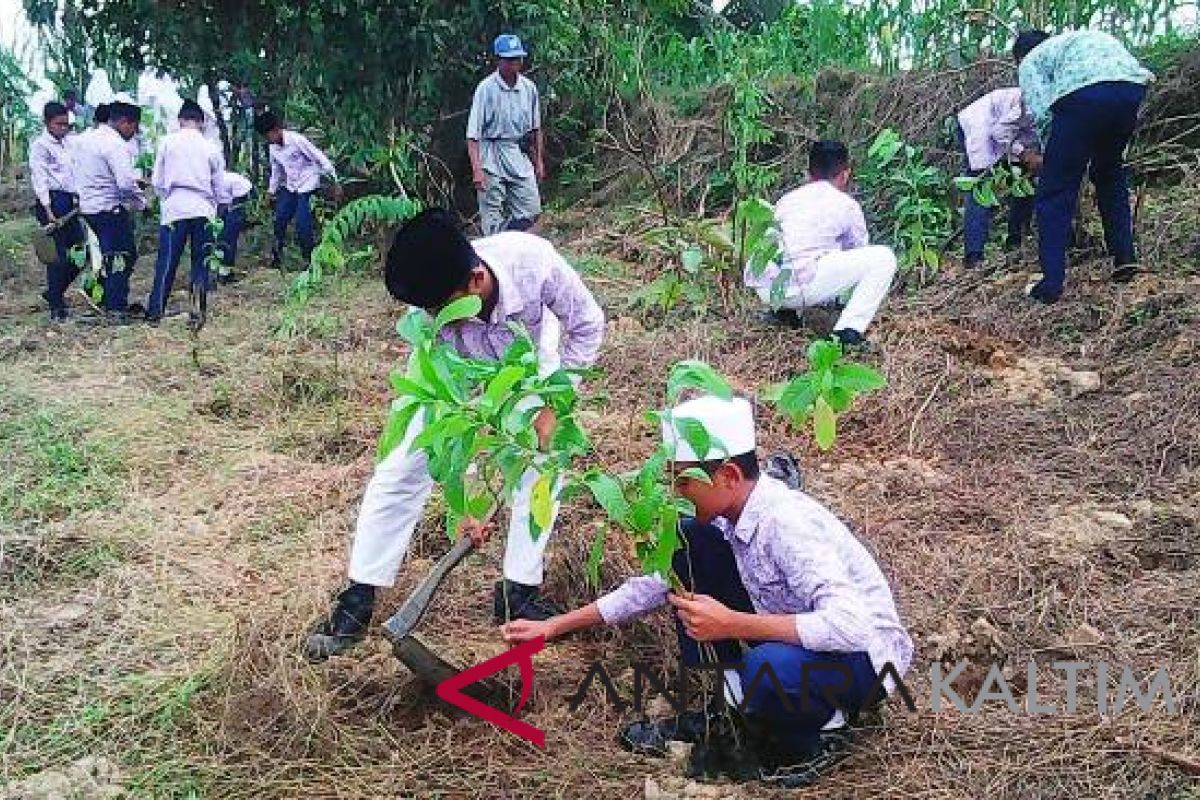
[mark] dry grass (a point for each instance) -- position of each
(992, 484)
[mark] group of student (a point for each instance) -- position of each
(1073, 113)
(769, 575)
(90, 181)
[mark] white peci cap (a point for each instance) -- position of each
(729, 425)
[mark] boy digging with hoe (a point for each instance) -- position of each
(521, 280)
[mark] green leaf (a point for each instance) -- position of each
(693, 374)
(824, 424)
(965, 184)
(396, 428)
(659, 560)
(596, 556)
(696, 474)
(480, 505)
(823, 354)
(691, 259)
(428, 371)
(779, 287)
(462, 308)
(839, 399)
(541, 504)
(569, 437)
(403, 387)
(609, 494)
(858, 378)
(755, 211)
(454, 490)
(698, 438)
(415, 326)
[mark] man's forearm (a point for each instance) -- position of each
(473, 154)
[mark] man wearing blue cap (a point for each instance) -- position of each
(504, 141)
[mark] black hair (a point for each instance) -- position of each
(746, 462)
(1026, 41)
(266, 122)
(118, 112)
(191, 110)
(429, 259)
(71, 93)
(827, 158)
(53, 109)
(102, 112)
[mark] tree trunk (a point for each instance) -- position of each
(211, 79)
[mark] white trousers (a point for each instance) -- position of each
(866, 271)
(395, 498)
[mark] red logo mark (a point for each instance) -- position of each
(450, 690)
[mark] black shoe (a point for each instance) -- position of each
(346, 625)
(1040, 292)
(118, 318)
(513, 600)
(649, 738)
(830, 748)
(59, 315)
(731, 751)
(228, 278)
(782, 318)
(1124, 273)
(849, 338)
(973, 261)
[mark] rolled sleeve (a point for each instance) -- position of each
(635, 597)
(276, 174)
(565, 294)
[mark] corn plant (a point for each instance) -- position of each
(1000, 182)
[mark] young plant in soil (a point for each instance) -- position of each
(1000, 182)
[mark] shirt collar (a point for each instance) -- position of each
(510, 302)
(504, 85)
(759, 501)
(112, 133)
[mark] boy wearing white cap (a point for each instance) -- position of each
(771, 569)
(504, 142)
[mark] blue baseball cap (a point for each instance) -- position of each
(509, 46)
